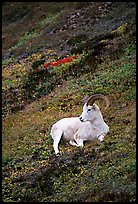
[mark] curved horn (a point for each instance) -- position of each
(95, 97)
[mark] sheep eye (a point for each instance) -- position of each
(89, 109)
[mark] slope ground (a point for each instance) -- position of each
(34, 98)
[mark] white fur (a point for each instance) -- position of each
(88, 126)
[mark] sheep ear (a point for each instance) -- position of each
(85, 99)
(93, 107)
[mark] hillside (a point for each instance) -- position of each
(53, 54)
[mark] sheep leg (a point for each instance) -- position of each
(101, 136)
(78, 140)
(55, 145)
(56, 135)
(71, 142)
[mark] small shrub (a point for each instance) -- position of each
(37, 63)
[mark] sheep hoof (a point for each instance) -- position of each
(58, 154)
(101, 138)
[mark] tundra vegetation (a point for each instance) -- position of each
(102, 37)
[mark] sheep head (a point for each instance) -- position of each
(90, 109)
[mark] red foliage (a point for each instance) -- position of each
(74, 56)
(55, 63)
(66, 59)
(61, 61)
(46, 65)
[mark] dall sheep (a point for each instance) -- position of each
(88, 126)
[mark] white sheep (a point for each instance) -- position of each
(88, 126)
